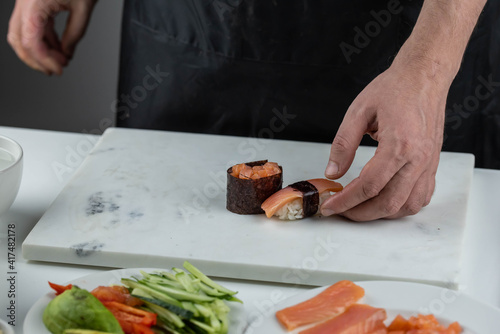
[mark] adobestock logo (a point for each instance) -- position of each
(372, 29)
(139, 92)
(483, 91)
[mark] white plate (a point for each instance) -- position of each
(406, 299)
(34, 324)
(6, 328)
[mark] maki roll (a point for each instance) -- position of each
(300, 200)
(250, 184)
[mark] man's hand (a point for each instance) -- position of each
(403, 109)
(34, 39)
(404, 112)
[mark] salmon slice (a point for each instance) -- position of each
(325, 185)
(357, 319)
(288, 194)
(278, 199)
(328, 304)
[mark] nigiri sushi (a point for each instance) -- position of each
(299, 200)
(249, 184)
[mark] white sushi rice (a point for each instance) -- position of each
(293, 210)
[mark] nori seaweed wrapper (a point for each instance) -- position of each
(310, 198)
(245, 196)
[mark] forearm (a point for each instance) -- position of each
(439, 38)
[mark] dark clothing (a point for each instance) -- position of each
(280, 68)
(473, 106)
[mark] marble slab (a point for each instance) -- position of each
(154, 199)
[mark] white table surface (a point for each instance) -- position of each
(51, 157)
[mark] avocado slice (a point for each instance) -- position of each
(78, 308)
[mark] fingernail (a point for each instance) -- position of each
(332, 169)
(327, 212)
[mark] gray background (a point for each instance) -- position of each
(78, 101)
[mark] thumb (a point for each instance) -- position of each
(345, 143)
(76, 25)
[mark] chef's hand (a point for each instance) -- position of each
(403, 109)
(34, 39)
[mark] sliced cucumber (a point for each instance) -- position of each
(186, 301)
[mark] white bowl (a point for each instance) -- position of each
(5, 328)
(11, 171)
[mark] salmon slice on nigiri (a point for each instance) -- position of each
(299, 200)
(356, 319)
(328, 304)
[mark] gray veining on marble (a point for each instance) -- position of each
(154, 199)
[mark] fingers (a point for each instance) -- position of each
(421, 193)
(26, 36)
(387, 174)
(376, 194)
(399, 179)
(14, 38)
(34, 42)
(431, 184)
(51, 60)
(388, 202)
(23, 55)
(416, 200)
(346, 142)
(76, 25)
(50, 35)
(53, 46)
(33, 37)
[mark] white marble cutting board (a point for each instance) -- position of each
(154, 199)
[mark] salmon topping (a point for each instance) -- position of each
(243, 171)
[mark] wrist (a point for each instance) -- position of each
(427, 64)
(438, 41)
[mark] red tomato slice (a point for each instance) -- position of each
(60, 288)
(132, 320)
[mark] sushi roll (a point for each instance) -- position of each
(300, 200)
(250, 184)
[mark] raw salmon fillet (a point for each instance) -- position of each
(328, 304)
(357, 319)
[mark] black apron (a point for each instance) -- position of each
(273, 68)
